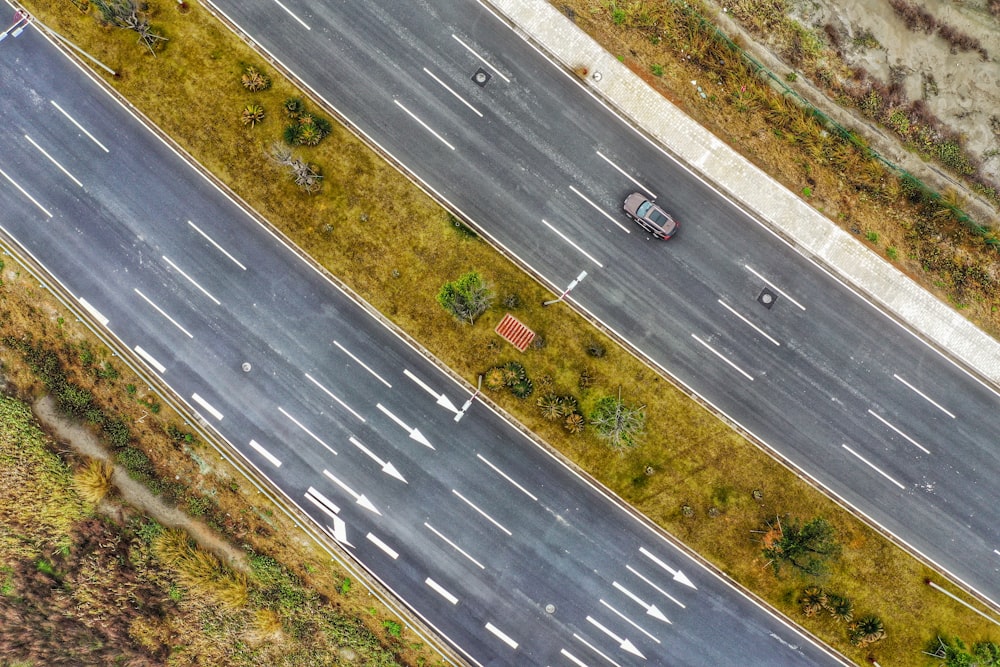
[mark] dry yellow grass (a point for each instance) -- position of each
(93, 481)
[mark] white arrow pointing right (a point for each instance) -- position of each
(678, 576)
(650, 608)
(359, 498)
(441, 399)
(624, 644)
(414, 433)
(387, 467)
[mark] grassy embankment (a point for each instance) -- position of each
(703, 474)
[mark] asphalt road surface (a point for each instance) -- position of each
(510, 555)
(857, 402)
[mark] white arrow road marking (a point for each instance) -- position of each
(389, 551)
(441, 399)
(650, 608)
(623, 642)
(414, 433)
(387, 467)
(502, 635)
(575, 660)
(339, 531)
(655, 587)
(594, 649)
(441, 590)
(678, 576)
(322, 502)
(308, 432)
(629, 621)
(359, 498)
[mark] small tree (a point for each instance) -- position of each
(618, 423)
(466, 298)
(125, 14)
(804, 547)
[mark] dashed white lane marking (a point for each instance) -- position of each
(629, 621)
(642, 187)
(578, 248)
(217, 246)
(205, 404)
(163, 313)
(748, 322)
(923, 396)
(443, 592)
(423, 124)
(720, 356)
(600, 210)
(326, 505)
(266, 454)
(572, 658)
(655, 587)
(389, 551)
(79, 127)
(504, 637)
(872, 466)
(454, 546)
(457, 96)
(292, 14)
(594, 649)
(53, 161)
(25, 193)
(362, 364)
(481, 512)
(331, 395)
(191, 280)
(481, 59)
(506, 477)
(150, 360)
(307, 431)
(908, 438)
(773, 286)
(93, 311)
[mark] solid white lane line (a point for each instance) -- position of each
(504, 637)
(454, 546)
(423, 124)
(773, 286)
(481, 59)
(389, 551)
(873, 466)
(79, 127)
(93, 311)
(217, 246)
(600, 210)
(575, 660)
(331, 395)
(457, 96)
(25, 193)
(629, 621)
(53, 161)
(621, 171)
(911, 440)
(484, 514)
(506, 477)
(322, 502)
(441, 590)
(161, 312)
(719, 355)
(594, 649)
(655, 587)
(191, 280)
(308, 432)
(205, 404)
(996, 552)
(150, 360)
(748, 322)
(266, 454)
(292, 14)
(362, 364)
(923, 395)
(578, 248)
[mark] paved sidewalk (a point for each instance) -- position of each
(804, 227)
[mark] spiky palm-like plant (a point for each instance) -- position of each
(813, 600)
(866, 630)
(574, 422)
(494, 379)
(568, 405)
(254, 80)
(252, 114)
(523, 388)
(550, 406)
(513, 372)
(840, 608)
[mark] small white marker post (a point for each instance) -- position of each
(576, 281)
(468, 403)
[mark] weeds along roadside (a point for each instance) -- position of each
(689, 472)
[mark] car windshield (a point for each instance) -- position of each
(643, 209)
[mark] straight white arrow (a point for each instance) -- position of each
(387, 467)
(359, 498)
(650, 608)
(441, 399)
(678, 576)
(414, 433)
(339, 531)
(624, 644)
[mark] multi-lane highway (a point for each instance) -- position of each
(511, 556)
(858, 403)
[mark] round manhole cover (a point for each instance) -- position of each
(550, 608)
(246, 366)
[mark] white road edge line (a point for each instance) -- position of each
(457, 96)
(205, 404)
(331, 395)
(441, 591)
(720, 356)
(575, 660)
(25, 193)
(290, 13)
(483, 60)
(161, 312)
(389, 551)
(484, 514)
(150, 360)
(79, 127)
(506, 477)
(911, 440)
(594, 649)
(53, 161)
(872, 466)
(454, 546)
(924, 396)
(621, 171)
(217, 246)
(93, 311)
(599, 209)
(191, 280)
(629, 621)
(748, 322)
(773, 286)
(566, 239)
(504, 637)
(655, 587)
(266, 454)
(423, 124)
(362, 364)
(308, 432)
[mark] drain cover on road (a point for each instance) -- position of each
(767, 298)
(515, 333)
(481, 77)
